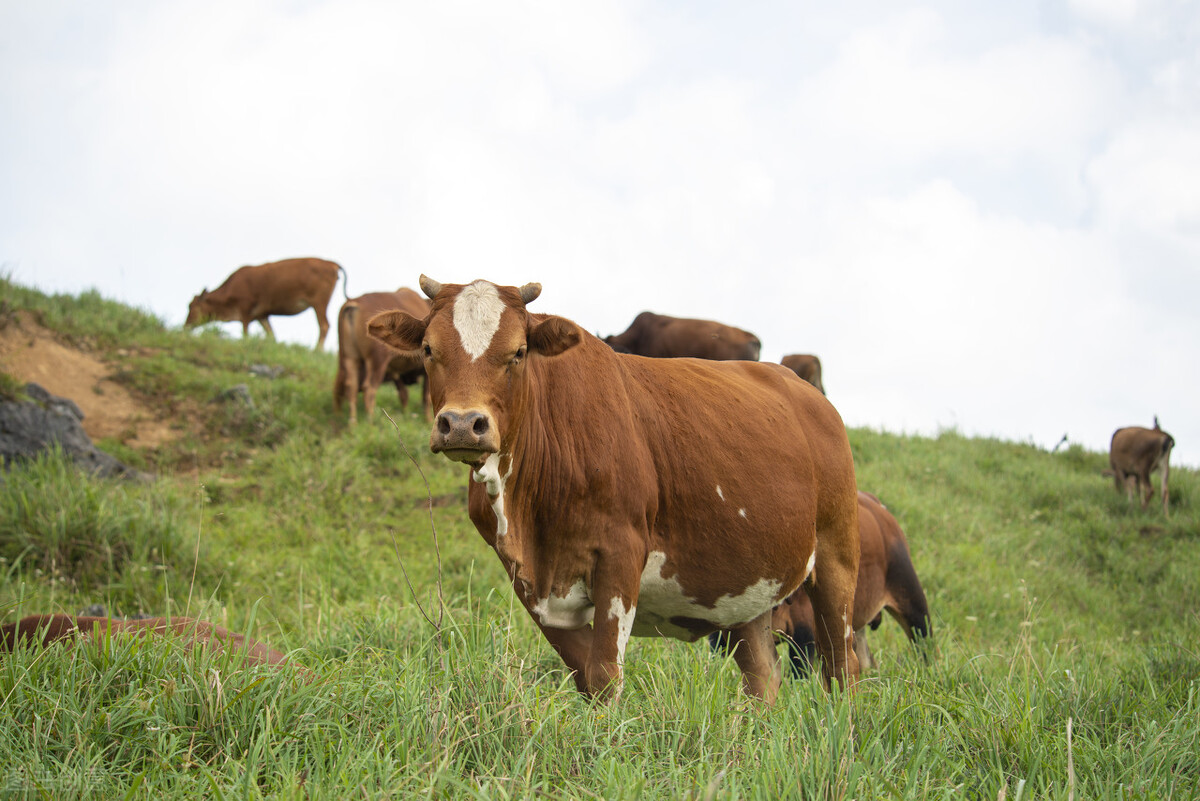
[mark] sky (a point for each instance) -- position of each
(981, 217)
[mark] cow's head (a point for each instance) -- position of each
(199, 310)
(476, 342)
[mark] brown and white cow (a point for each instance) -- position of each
(364, 362)
(887, 581)
(633, 496)
(282, 287)
(46, 629)
(663, 337)
(1137, 452)
(806, 366)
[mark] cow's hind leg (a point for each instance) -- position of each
(266, 324)
(1166, 470)
(754, 651)
(830, 587)
(351, 381)
(371, 384)
(322, 326)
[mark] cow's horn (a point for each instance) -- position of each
(429, 286)
(530, 291)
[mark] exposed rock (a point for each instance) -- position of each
(239, 393)
(28, 427)
(265, 371)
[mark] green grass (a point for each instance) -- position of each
(1055, 605)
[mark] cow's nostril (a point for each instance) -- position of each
(480, 426)
(443, 425)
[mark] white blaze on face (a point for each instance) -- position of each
(660, 599)
(490, 476)
(568, 611)
(477, 311)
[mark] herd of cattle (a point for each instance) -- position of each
(706, 496)
(711, 495)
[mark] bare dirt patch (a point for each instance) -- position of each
(30, 352)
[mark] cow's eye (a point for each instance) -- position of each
(520, 354)
(428, 350)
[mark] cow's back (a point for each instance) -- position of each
(661, 336)
(360, 311)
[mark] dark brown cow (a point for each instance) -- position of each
(887, 581)
(663, 337)
(282, 287)
(364, 362)
(806, 366)
(46, 629)
(1137, 452)
(645, 497)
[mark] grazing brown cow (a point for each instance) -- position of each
(364, 362)
(1137, 452)
(887, 581)
(255, 292)
(46, 629)
(806, 366)
(633, 496)
(663, 337)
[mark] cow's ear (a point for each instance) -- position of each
(397, 329)
(554, 335)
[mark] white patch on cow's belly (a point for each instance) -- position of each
(661, 599)
(477, 311)
(489, 475)
(571, 611)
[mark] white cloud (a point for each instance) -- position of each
(1148, 177)
(950, 208)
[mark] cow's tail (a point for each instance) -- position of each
(345, 279)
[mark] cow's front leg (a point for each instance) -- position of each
(616, 606)
(596, 653)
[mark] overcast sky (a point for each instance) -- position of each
(980, 216)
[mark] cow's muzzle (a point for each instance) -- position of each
(464, 436)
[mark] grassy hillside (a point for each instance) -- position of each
(1066, 622)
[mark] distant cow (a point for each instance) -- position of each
(283, 287)
(46, 629)
(806, 366)
(364, 362)
(660, 336)
(887, 581)
(1137, 452)
(632, 496)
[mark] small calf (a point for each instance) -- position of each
(1137, 452)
